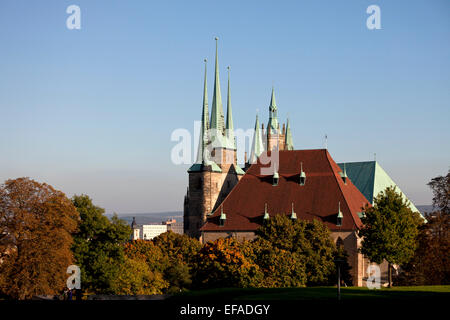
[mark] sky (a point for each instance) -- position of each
(91, 110)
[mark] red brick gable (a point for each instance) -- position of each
(317, 199)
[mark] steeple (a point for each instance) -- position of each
(217, 118)
(273, 126)
(257, 145)
(205, 122)
(229, 125)
(288, 145)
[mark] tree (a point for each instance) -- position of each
(309, 239)
(280, 268)
(430, 264)
(36, 222)
(136, 277)
(181, 251)
(222, 264)
(98, 246)
(148, 252)
(390, 230)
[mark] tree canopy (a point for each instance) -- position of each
(310, 240)
(98, 246)
(36, 222)
(390, 229)
(431, 262)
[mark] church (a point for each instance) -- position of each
(225, 200)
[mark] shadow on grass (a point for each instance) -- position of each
(441, 293)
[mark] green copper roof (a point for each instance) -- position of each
(198, 167)
(205, 123)
(257, 145)
(229, 125)
(238, 169)
(217, 118)
(370, 178)
(289, 145)
(273, 124)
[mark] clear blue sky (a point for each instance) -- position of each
(92, 110)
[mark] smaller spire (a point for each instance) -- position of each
(273, 126)
(273, 103)
(293, 214)
(257, 145)
(289, 145)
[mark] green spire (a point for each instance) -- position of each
(204, 126)
(257, 145)
(229, 124)
(289, 145)
(273, 104)
(217, 118)
(273, 125)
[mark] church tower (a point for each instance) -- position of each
(215, 172)
(275, 136)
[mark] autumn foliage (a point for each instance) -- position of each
(223, 264)
(36, 222)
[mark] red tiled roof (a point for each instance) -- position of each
(317, 199)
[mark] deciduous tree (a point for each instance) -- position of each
(98, 246)
(310, 240)
(390, 230)
(222, 264)
(36, 222)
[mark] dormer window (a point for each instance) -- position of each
(293, 214)
(276, 177)
(344, 175)
(222, 218)
(302, 175)
(266, 214)
(340, 216)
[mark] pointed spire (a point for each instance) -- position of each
(273, 103)
(257, 145)
(205, 122)
(288, 145)
(229, 125)
(273, 126)
(217, 118)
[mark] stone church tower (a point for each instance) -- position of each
(215, 172)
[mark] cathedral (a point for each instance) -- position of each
(215, 172)
(225, 200)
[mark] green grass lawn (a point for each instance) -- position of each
(320, 293)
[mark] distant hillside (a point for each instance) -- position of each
(147, 218)
(425, 208)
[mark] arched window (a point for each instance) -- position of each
(339, 243)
